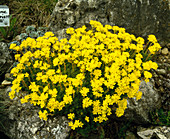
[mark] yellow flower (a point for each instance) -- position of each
(12, 94)
(138, 95)
(53, 92)
(25, 99)
(70, 31)
(95, 119)
(87, 118)
(154, 48)
(50, 72)
(97, 73)
(147, 74)
(20, 76)
(71, 116)
(152, 38)
(70, 123)
(48, 34)
(12, 46)
(87, 102)
(43, 115)
(14, 71)
(44, 78)
(55, 61)
(26, 74)
(84, 91)
(17, 57)
(45, 66)
(119, 112)
(67, 99)
(34, 87)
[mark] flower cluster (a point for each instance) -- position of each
(87, 77)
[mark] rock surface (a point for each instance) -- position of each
(138, 111)
(161, 79)
(6, 83)
(5, 59)
(140, 17)
(157, 132)
(22, 121)
(165, 51)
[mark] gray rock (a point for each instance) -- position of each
(5, 58)
(34, 130)
(158, 132)
(17, 38)
(141, 17)
(138, 111)
(8, 77)
(165, 51)
(24, 122)
(11, 116)
(168, 45)
(161, 71)
(6, 83)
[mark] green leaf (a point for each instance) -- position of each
(12, 24)
(1, 39)
(3, 32)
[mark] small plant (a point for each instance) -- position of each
(8, 33)
(31, 32)
(160, 117)
(124, 128)
(86, 78)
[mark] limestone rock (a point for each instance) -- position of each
(8, 77)
(165, 51)
(5, 59)
(158, 133)
(6, 83)
(17, 38)
(140, 17)
(138, 111)
(161, 71)
(22, 121)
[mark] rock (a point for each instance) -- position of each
(5, 59)
(138, 17)
(165, 51)
(158, 133)
(138, 111)
(17, 38)
(8, 77)
(22, 121)
(168, 45)
(161, 71)
(6, 83)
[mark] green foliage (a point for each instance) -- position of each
(124, 129)
(8, 33)
(160, 117)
